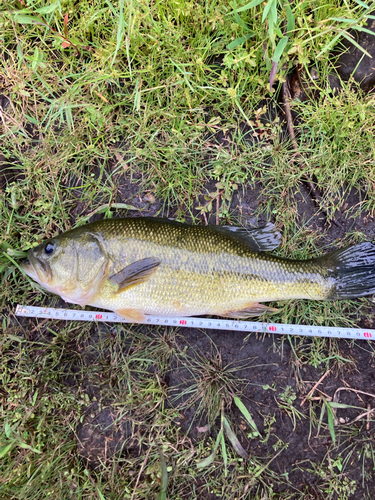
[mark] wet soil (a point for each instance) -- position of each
(267, 366)
(354, 62)
(283, 394)
(264, 363)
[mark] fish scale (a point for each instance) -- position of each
(197, 273)
(145, 266)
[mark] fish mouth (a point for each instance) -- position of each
(36, 269)
(28, 268)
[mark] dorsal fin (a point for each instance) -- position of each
(259, 239)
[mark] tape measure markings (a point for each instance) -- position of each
(193, 322)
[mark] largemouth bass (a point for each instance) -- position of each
(140, 266)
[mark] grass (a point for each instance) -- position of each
(164, 108)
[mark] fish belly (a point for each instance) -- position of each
(186, 291)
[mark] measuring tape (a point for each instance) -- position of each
(213, 324)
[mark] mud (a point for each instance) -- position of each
(353, 62)
(272, 382)
(102, 434)
(266, 366)
(269, 368)
(269, 373)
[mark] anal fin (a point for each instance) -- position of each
(252, 310)
(133, 315)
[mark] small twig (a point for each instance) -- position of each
(140, 472)
(346, 383)
(315, 386)
(353, 390)
(289, 120)
(368, 417)
(362, 415)
(37, 326)
(328, 398)
(217, 208)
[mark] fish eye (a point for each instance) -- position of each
(49, 248)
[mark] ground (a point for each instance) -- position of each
(114, 109)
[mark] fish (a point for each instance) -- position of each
(150, 266)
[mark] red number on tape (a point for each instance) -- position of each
(272, 328)
(98, 316)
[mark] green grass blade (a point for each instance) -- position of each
(8, 429)
(48, 9)
(354, 42)
(239, 41)
(329, 45)
(330, 422)
(25, 19)
(164, 477)
(184, 73)
(333, 404)
(343, 20)
(250, 5)
(5, 448)
(280, 49)
(362, 4)
(365, 30)
(120, 30)
(267, 9)
(225, 455)
(210, 459)
(246, 414)
(28, 447)
(113, 10)
(101, 496)
(237, 18)
(290, 19)
(234, 440)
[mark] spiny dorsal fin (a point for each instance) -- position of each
(259, 239)
(134, 274)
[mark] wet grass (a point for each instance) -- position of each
(123, 108)
(56, 378)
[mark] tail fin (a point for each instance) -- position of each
(353, 269)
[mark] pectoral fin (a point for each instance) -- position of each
(253, 309)
(134, 274)
(131, 315)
